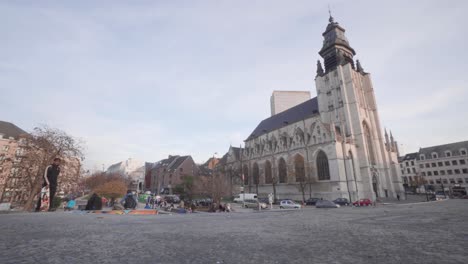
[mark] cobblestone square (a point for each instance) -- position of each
(435, 232)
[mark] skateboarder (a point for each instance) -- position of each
(50, 179)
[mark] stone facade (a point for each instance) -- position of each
(330, 146)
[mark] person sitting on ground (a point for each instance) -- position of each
(147, 206)
(70, 205)
(94, 203)
(129, 201)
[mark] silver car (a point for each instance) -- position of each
(289, 204)
(254, 204)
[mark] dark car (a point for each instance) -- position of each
(312, 201)
(326, 204)
(341, 201)
(172, 199)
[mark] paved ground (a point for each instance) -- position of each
(425, 233)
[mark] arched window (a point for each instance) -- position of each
(299, 168)
(282, 171)
(323, 169)
(246, 175)
(268, 176)
(370, 146)
(256, 174)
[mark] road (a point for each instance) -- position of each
(424, 233)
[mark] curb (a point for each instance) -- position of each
(416, 203)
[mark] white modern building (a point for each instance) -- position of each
(283, 100)
(134, 169)
(439, 165)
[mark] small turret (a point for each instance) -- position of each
(320, 71)
(359, 67)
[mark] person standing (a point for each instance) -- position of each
(50, 179)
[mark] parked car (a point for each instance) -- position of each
(312, 201)
(341, 201)
(326, 204)
(289, 204)
(254, 204)
(363, 202)
(247, 196)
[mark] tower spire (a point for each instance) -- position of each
(336, 49)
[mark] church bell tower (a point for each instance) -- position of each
(347, 103)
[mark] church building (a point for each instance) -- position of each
(329, 146)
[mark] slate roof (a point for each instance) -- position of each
(409, 156)
(454, 148)
(177, 162)
(10, 130)
(294, 114)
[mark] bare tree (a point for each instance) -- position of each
(39, 149)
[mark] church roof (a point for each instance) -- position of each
(10, 130)
(292, 115)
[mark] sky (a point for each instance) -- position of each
(148, 79)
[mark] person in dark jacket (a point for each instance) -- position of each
(94, 203)
(50, 179)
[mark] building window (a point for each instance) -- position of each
(408, 170)
(444, 181)
(282, 171)
(322, 166)
(431, 181)
(434, 155)
(405, 179)
(466, 180)
(452, 181)
(434, 164)
(268, 174)
(438, 181)
(449, 172)
(401, 165)
(428, 165)
(429, 173)
(465, 170)
(245, 172)
(412, 163)
(436, 173)
(457, 171)
(440, 164)
(463, 162)
(299, 168)
(448, 154)
(256, 174)
(442, 172)
(460, 180)
(402, 171)
(414, 170)
(422, 157)
(423, 173)
(454, 162)
(447, 163)
(463, 152)
(421, 166)
(407, 164)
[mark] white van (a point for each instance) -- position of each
(247, 196)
